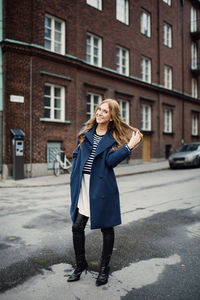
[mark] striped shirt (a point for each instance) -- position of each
(88, 165)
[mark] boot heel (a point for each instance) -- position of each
(77, 273)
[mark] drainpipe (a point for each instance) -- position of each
(158, 74)
(182, 65)
(1, 85)
(31, 116)
(31, 96)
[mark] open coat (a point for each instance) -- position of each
(104, 194)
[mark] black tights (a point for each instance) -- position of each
(78, 230)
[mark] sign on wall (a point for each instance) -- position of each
(18, 99)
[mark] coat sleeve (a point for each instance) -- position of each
(113, 158)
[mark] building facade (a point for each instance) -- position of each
(59, 59)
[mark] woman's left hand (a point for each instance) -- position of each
(135, 139)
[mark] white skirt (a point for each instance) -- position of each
(84, 196)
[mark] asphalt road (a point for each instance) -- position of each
(156, 253)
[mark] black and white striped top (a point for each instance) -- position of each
(88, 165)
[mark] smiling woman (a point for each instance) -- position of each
(105, 141)
(119, 129)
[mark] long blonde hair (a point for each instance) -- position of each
(119, 129)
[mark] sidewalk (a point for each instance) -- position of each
(122, 170)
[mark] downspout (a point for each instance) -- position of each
(158, 74)
(31, 96)
(31, 117)
(1, 85)
(183, 77)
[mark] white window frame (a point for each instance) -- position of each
(95, 3)
(122, 11)
(168, 121)
(94, 50)
(168, 2)
(146, 117)
(124, 109)
(146, 69)
(193, 19)
(122, 61)
(195, 125)
(145, 23)
(52, 107)
(93, 100)
(51, 36)
(194, 88)
(194, 56)
(168, 77)
(167, 30)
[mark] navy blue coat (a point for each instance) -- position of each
(104, 194)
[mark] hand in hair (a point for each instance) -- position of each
(135, 139)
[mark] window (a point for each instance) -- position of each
(124, 109)
(193, 56)
(94, 50)
(168, 77)
(195, 125)
(93, 100)
(167, 35)
(54, 36)
(122, 14)
(168, 120)
(146, 69)
(194, 88)
(168, 2)
(193, 19)
(95, 3)
(54, 103)
(145, 23)
(122, 61)
(146, 117)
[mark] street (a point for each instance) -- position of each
(156, 253)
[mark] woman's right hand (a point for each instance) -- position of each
(135, 139)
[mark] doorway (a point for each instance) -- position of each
(146, 148)
(52, 149)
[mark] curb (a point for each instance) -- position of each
(68, 182)
(142, 172)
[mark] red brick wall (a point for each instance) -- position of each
(24, 21)
(16, 115)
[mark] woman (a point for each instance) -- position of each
(105, 141)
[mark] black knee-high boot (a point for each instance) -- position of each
(79, 247)
(108, 242)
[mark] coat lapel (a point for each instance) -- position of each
(106, 142)
(89, 135)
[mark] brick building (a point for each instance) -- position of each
(60, 58)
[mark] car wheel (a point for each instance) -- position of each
(172, 167)
(197, 162)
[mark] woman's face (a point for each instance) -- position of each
(103, 115)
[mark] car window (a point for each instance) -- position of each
(191, 147)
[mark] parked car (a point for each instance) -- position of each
(187, 155)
